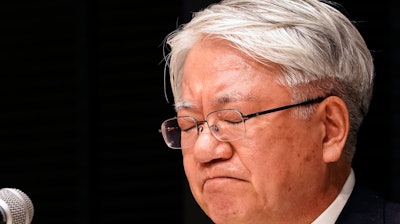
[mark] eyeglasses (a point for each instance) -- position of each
(225, 125)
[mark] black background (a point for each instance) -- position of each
(82, 99)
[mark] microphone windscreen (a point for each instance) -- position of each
(16, 206)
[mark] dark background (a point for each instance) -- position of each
(82, 99)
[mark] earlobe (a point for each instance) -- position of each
(335, 117)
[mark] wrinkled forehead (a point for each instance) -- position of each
(216, 73)
(221, 99)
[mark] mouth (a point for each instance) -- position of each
(221, 177)
(220, 181)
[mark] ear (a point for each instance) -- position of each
(335, 118)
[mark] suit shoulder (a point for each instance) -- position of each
(392, 212)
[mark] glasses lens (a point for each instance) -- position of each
(171, 133)
(179, 132)
(226, 125)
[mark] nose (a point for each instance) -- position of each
(207, 148)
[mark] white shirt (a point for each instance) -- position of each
(330, 215)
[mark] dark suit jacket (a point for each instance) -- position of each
(365, 206)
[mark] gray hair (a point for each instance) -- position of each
(318, 49)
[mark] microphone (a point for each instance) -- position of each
(15, 207)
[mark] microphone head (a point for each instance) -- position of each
(16, 206)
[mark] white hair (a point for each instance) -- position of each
(318, 49)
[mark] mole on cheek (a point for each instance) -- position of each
(310, 156)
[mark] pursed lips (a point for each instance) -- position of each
(223, 173)
(221, 178)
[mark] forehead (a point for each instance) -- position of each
(222, 99)
(215, 73)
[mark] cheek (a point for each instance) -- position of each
(192, 174)
(271, 139)
(285, 137)
(189, 168)
(279, 159)
(283, 147)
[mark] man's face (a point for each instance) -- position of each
(276, 169)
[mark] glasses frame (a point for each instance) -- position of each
(245, 117)
(307, 102)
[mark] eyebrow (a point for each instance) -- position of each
(182, 103)
(225, 100)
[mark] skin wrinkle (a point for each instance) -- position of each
(226, 99)
(221, 102)
(253, 56)
(237, 160)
